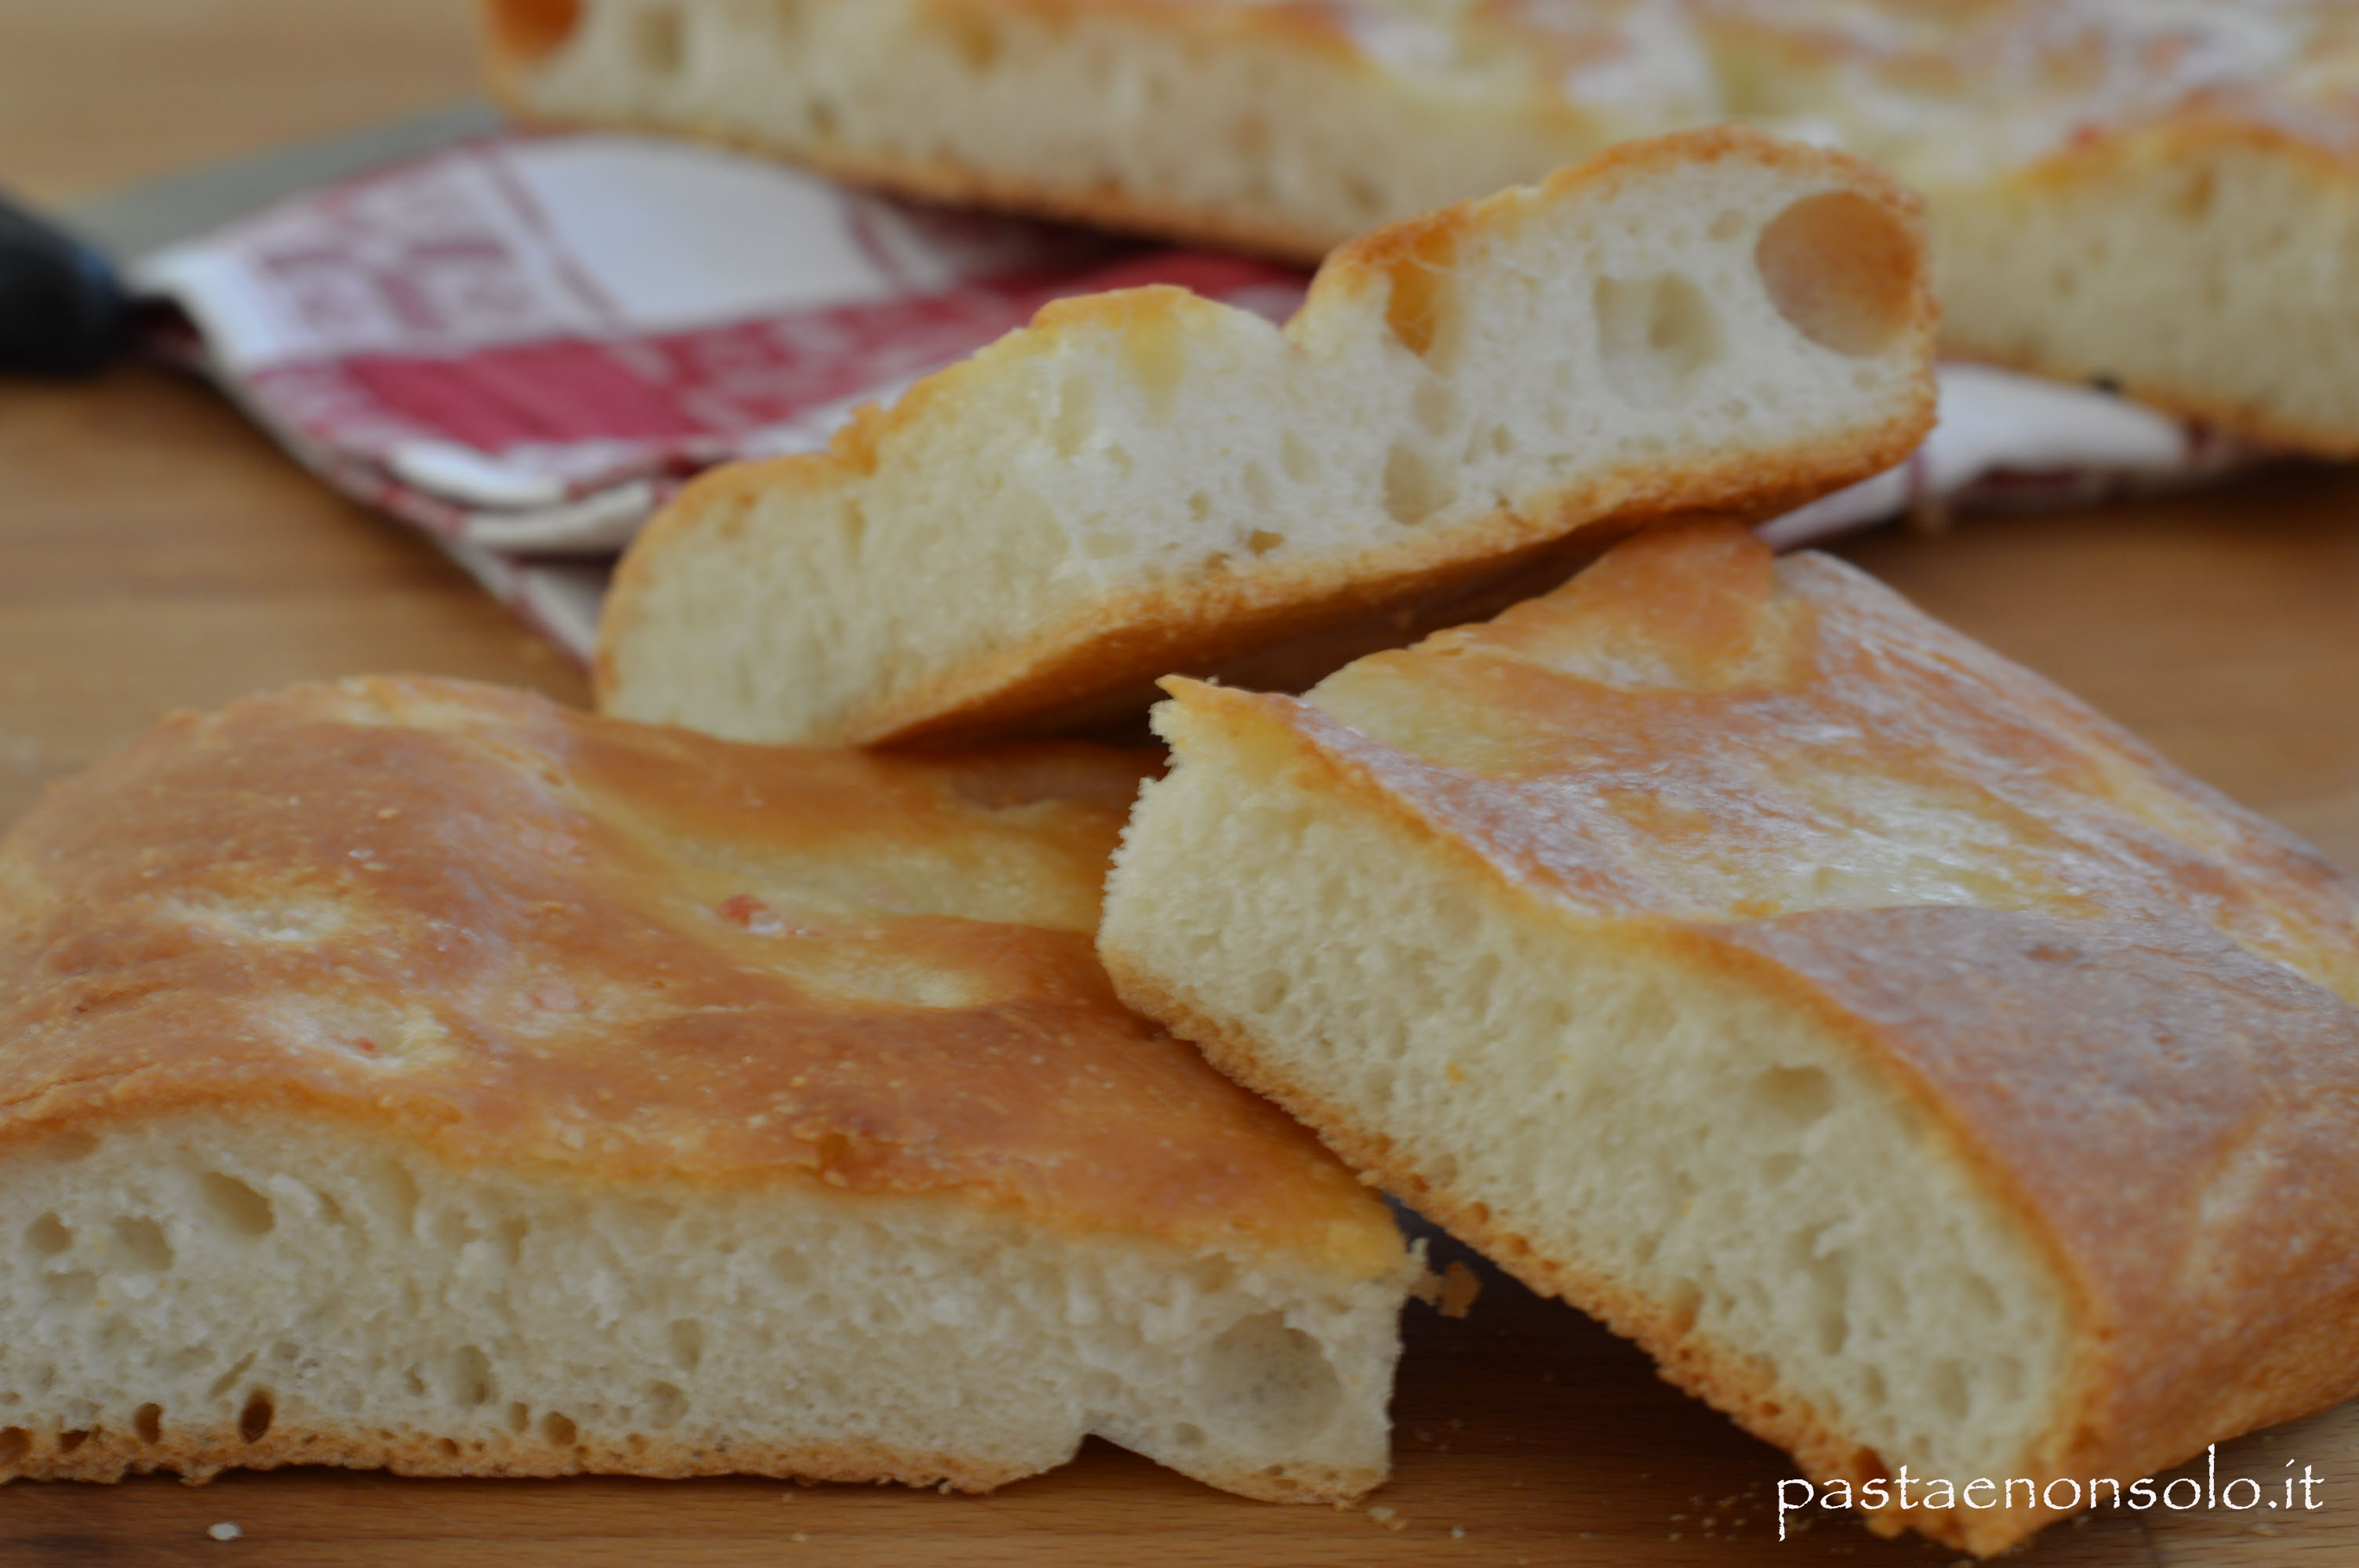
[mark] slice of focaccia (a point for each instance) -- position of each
(1146, 481)
(1920, 1069)
(410, 1074)
(2157, 194)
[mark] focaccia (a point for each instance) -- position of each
(1146, 481)
(1919, 1067)
(416, 1074)
(2159, 195)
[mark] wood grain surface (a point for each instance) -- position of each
(157, 551)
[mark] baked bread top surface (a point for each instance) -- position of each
(2123, 1000)
(531, 937)
(1691, 729)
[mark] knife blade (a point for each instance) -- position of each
(63, 306)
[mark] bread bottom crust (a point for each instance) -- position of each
(198, 1456)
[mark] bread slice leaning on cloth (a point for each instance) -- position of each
(1145, 481)
(1919, 1067)
(412, 1074)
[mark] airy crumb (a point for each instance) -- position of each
(224, 1531)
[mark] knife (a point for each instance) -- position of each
(64, 310)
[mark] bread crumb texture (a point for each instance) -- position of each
(404, 1073)
(1921, 1068)
(1146, 481)
(2166, 195)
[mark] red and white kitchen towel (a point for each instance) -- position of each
(522, 345)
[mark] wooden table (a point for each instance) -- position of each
(155, 551)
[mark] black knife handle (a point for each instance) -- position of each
(62, 310)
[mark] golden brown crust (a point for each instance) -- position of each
(530, 938)
(197, 1455)
(1077, 671)
(1694, 724)
(2170, 1115)
(2125, 1053)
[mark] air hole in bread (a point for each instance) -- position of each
(144, 1243)
(1261, 541)
(446, 1448)
(559, 1430)
(666, 1405)
(1801, 1096)
(48, 1236)
(254, 1421)
(519, 1415)
(471, 1381)
(1271, 988)
(69, 1441)
(1836, 266)
(1200, 506)
(1830, 1288)
(1415, 486)
(1655, 336)
(14, 1443)
(1276, 1376)
(147, 1421)
(1413, 310)
(1726, 226)
(1260, 492)
(236, 1206)
(1154, 351)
